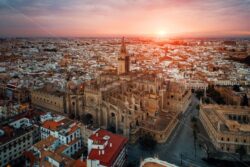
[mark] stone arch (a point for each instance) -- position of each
(113, 122)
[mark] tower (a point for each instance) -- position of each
(123, 60)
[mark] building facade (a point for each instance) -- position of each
(227, 126)
(106, 149)
(67, 131)
(49, 99)
(15, 139)
(135, 103)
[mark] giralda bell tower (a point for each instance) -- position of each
(123, 60)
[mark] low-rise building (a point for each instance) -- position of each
(227, 126)
(106, 149)
(51, 152)
(15, 139)
(66, 130)
(230, 96)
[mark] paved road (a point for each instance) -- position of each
(181, 142)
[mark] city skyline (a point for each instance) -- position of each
(183, 18)
(125, 83)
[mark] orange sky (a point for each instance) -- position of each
(124, 17)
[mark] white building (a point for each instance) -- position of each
(106, 149)
(64, 129)
(15, 139)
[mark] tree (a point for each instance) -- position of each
(131, 164)
(241, 151)
(195, 141)
(147, 142)
(87, 119)
(71, 116)
(206, 146)
(199, 94)
(195, 129)
(207, 101)
(198, 107)
(112, 129)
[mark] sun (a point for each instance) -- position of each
(161, 33)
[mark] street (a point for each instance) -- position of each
(179, 149)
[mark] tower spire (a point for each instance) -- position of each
(123, 47)
(123, 59)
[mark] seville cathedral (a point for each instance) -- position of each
(130, 103)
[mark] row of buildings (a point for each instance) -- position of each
(31, 63)
(45, 139)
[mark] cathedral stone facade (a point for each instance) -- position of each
(134, 103)
(129, 103)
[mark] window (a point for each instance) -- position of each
(222, 138)
(227, 139)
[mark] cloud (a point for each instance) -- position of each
(114, 15)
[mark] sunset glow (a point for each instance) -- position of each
(161, 33)
(124, 17)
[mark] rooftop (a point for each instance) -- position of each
(155, 162)
(64, 125)
(231, 119)
(114, 145)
